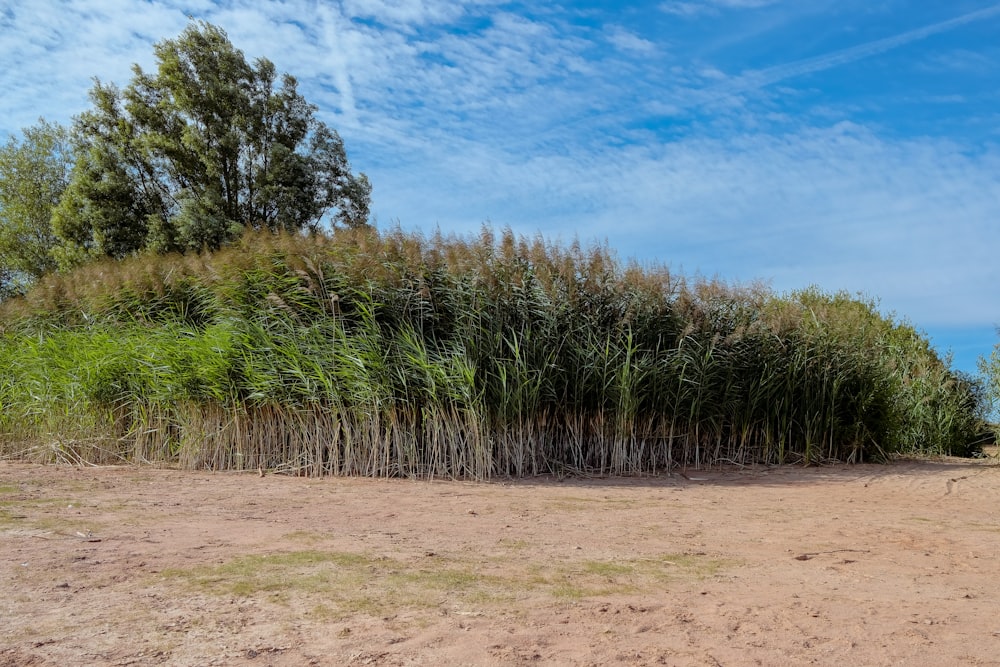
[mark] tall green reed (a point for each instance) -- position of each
(395, 355)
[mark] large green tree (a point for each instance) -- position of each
(34, 171)
(193, 154)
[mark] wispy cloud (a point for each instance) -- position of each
(962, 61)
(627, 41)
(759, 78)
(696, 7)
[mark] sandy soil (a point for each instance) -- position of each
(846, 565)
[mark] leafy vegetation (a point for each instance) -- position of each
(372, 353)
(184, 158)
(34, 172)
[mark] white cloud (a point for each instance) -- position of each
(962, 61)
(411, 14)
(697, 7)
(680, 8)
(51, 51)
(629, 42)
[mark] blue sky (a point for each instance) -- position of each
(851, 144)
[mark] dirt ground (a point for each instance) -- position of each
(844, 565)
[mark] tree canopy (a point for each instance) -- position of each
(185, 157)
(34, 172)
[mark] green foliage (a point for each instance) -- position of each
(34, 172)
(190, 156)
(392, 354)
(989, 368)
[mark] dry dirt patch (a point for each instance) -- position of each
(846, 565)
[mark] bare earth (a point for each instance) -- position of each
(845, 565)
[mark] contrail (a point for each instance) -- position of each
(759, 78)
(689, 98)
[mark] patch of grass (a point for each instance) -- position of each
(7, 515)
(603, 577)
(575, 581)
(323, 613)
(335, 585)
(682, 565)
(566, 590)
(298, 571)
(347, 583)
(442, 580)
(306, 536)
(608, 569)
(983, 527)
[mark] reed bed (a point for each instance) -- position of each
(390, 354)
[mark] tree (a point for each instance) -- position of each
(34, 172)
(192, 155)
(989, 371)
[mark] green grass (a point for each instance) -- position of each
(592, 578)
(9, 518)
(338, 584)
(608, 569)
(306, 536)
(342, 583)
(281, 574)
